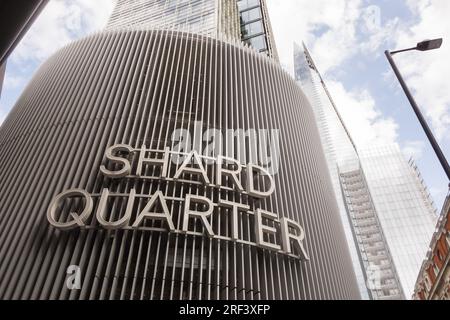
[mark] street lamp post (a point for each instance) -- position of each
(421, 46)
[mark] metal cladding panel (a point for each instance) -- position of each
(135, 87)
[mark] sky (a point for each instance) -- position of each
(347, 39)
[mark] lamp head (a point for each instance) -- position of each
(429, 44)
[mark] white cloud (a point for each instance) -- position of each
(426, 72)
(438, 193)
(337, 23)
(377, 36)
(296, 20)
(413, 149)
(417, 5)
(60, 23)
(336, 31)
(13, 81)
(366, 124)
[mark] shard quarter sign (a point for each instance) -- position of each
(250, 182)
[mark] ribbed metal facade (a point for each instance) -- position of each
(136, 87)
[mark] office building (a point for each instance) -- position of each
(213, 18)
(256, 29)
(245, 20)
(146, 162)
(381, 277)
(372, 261)
(405, 208)
(433, 282)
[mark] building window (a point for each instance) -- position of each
(427, 283)
(439, 254)
(448, 239)
(252, 29)
(258, 43)
(446, 293)
(244, 4)
(251, 15)
(435, 269)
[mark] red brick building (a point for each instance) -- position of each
(433, 282)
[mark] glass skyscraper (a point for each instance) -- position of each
(245, 20)
(256, 29)
(385, 207)
(362, 229)
(381, 277)
(405, 208)
(213, 18)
